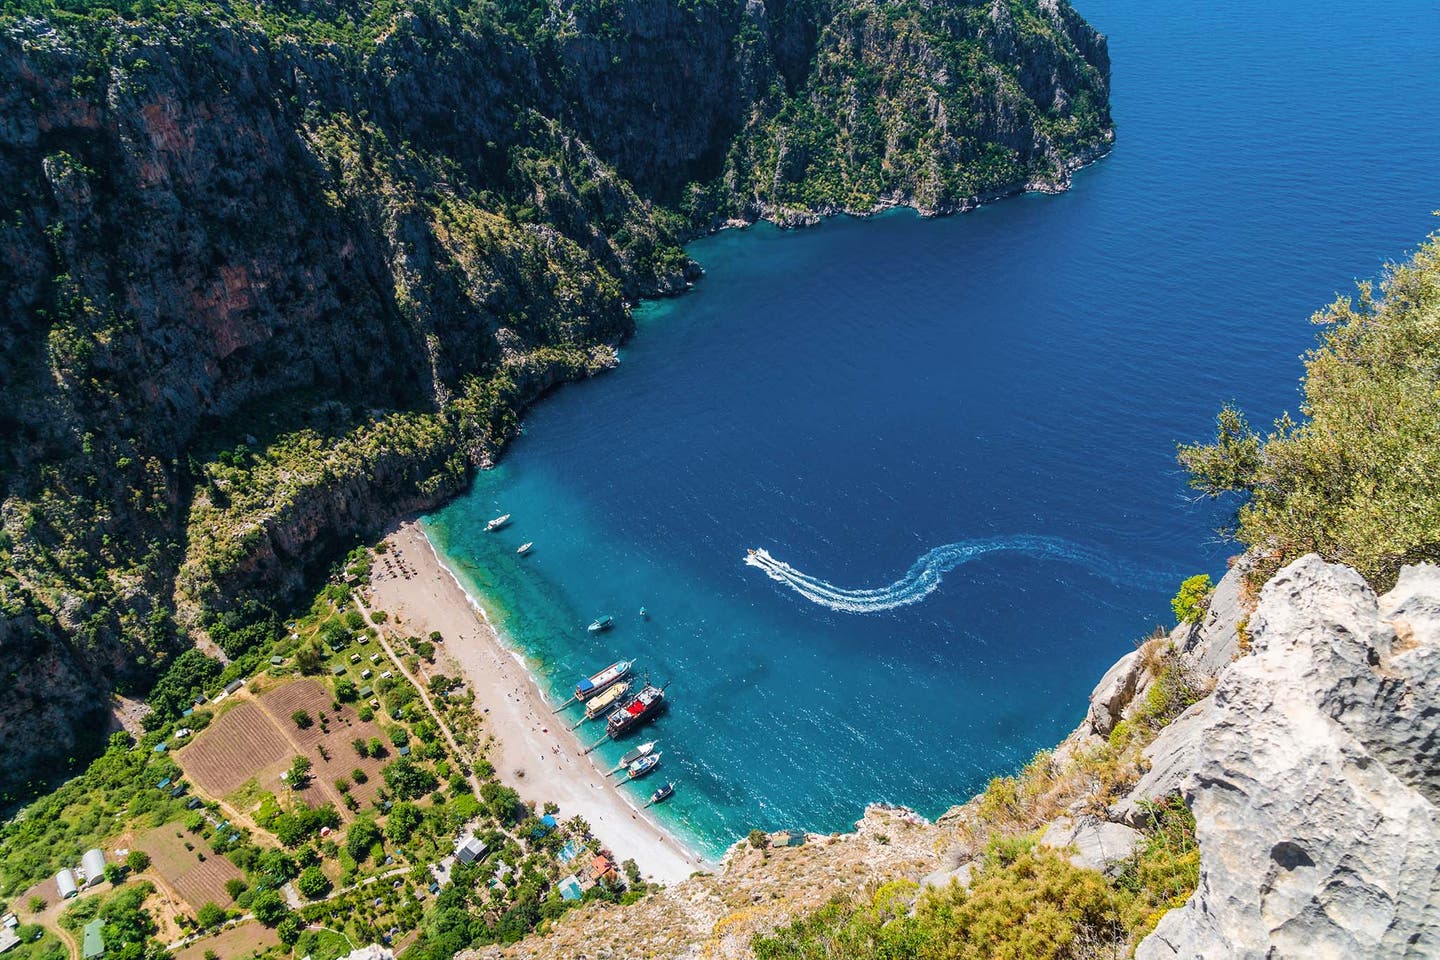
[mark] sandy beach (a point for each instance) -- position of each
(527, 736)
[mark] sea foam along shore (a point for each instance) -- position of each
(527, 736)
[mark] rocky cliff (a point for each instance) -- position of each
(1314, 776)
(274, 273)
(1312, 769)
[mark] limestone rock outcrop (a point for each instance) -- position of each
(1315, 778)
(1092, 844)
(1171, 756)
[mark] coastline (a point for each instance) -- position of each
(533, 751)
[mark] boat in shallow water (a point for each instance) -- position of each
(663, 793)
(525, 547)
(641, 751)
(603, 702)
(497, 523)
(645, 705)
(643, 766)
(601, 623)
(597, 682)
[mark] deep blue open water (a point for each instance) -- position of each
(1011, 381)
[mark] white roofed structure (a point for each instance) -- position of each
(93, 866)
(65, 884)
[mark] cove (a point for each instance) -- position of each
(856, 397)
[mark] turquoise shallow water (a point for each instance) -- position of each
(1005, 386)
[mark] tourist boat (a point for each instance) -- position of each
(525, 548)
(642, 766)
(663, 793)
(641, 751)
(645, 705)
(593, 684)
(601, 623)
(497, 523)
(603, 702)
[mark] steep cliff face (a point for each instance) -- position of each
(1314, 778)
(780, 110)
(274, 273)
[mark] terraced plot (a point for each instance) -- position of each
(238, 746)
(196, 875)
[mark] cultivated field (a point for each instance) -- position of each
(257, 740)
(195, 880)
(236, 943)
(309, 695)
(332, 741)
(238, 746)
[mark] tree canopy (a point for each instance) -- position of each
(1357, 479)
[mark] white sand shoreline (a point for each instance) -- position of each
(533, 750)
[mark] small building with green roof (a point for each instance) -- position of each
(93, 946)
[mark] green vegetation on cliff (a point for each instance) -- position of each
(1024, 903)
(1357, 479)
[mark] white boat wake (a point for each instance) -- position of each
(925, 574)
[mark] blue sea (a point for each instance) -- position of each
(956, 437)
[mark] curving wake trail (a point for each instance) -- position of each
(925, 574)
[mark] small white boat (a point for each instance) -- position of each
(641, 751)
(525, 548)
(497, 523)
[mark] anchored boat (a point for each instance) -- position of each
(642, 766)
(601, 623)
(604, 702)
(641, 751)
(645, 705)
(497, 523)
(525, 547)
(663, 793)
(594, 683)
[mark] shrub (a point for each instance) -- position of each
(1037, 907)
(302, 719)
(1190, 603)
(138, 861)
(209, 916)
